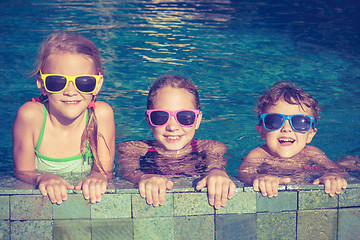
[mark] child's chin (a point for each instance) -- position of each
(286, 155)
(173, 148)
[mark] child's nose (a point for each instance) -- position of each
(286, 127)
(70, 89)
(172, 125)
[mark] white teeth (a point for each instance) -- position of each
(172, 137)
(286, 140)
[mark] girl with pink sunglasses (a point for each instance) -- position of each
(173, 115)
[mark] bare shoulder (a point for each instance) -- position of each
(30, 113)
(104, 111)
(211, 145)
(257, 153)
(309, 149)
(312, 153)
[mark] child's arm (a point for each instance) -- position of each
(152, 187)
(26, 131)
(333, 179)
(265, 183)
(219, 186)
(94, 185)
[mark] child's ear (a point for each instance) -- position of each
(99, 85)
(198, 120)
(261, 131)
(311, 134)
(148, 121)
(40, 85)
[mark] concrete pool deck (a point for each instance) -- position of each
(298, 212)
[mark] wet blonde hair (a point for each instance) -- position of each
(75, 44)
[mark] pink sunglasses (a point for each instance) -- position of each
(185, 118)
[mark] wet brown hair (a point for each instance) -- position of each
(75, 44)
(175, 82)
(291, 94)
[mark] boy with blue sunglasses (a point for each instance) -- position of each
(287, 117)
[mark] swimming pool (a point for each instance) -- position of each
(232, 50)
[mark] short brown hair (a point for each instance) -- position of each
(291, 94)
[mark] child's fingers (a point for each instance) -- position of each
(210, 191)
(43, 190)
(142, 189)
(264, 187)
(316, 181)
(201, 184)
(104, 185)
(155, 195)
(256, 185)
(79, 185)
(95, 192)
(85, 189)
(56, 192)
(344, 184)
(231, 190)
(218, 191)
(327, 185)
(148, 194)
(271, 188)
(67, 184)
(93, 188)
(169, 185)
(224, 194)
(162, 194)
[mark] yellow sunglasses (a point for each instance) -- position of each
(55, 83)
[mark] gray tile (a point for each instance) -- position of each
(194, 227)
(141, 209)
(112, 206)
(31, 230)
(74, 207)
(112, 229)
(30, 207)
(285, 201)
(4, 207)
(72, 229)
(161, 228)
(317, 224)
(235, 226)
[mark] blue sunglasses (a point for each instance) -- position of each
(275, 121)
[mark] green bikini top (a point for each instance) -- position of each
(87, 156)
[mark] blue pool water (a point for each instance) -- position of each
(232, 50)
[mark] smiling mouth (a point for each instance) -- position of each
(173, 137)
(71, 102)
(286, 141)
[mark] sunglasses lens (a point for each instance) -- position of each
(186, 118)
(273, 121)
(55, 83)
(159, 117)
(85, 83)
(301, 123)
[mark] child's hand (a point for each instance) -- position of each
(53, 186)
(153, 189)
(333, 183)
(268, 184)
(219, 186)
(93, 186)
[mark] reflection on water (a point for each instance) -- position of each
(232, 50)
